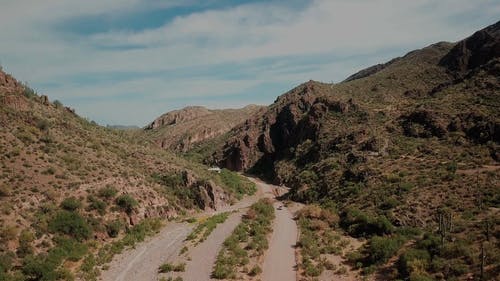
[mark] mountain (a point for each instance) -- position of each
(406, 144)
(73, 194)
(181, 130)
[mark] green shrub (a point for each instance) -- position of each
(412, 259)
(5, 190)
(380, 249)
(126, 202)
(256, 270)
(96, 204)
(6, 261)
(25, 239)
(43, 124)
(360, 224)
(71, 204)
(235, 183)
(69, 248)
(107, 192)
(167, 267)
(70, 223)
(113, 228)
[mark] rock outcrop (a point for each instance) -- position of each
(180, 130)
(474, 51)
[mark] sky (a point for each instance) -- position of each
(128, 61)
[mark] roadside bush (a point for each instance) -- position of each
(167, 267)
(70, 223)
(126, 202)
(238, 185)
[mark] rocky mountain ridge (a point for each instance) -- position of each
(180, 130)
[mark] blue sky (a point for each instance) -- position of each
(128, 61)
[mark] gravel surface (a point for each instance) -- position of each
(279, 260)
(142, 262)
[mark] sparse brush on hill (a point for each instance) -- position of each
(81, 189)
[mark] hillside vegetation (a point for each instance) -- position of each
(70, 188)
(406, 153)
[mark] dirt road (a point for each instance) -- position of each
(142, 262)
(279, 261)
(203, 256)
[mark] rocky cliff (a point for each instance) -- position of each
(181, 130)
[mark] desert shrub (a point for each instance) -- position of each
(249, 237)
(171, 180)
(45, 267)
(5, 190)
(68, 248)
(256, 270)
(236, 184)
(58, 104)
(25, 239)
(206, 227)
(168, 267)
(431, 243)
(389, 203)
(49, 171)
(113, 228)
(360, 224)
(70, 223)
(71, 204)
(380, 249)
(8, 233)
(413, 260)
(6, 261)
(39, 268)
(96, 204)
(107, 192)
(126, 202)
(43, 124)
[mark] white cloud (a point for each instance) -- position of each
(34, 50)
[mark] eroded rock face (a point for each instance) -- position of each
(292, 119)
(474, 51)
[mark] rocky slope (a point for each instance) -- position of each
(181, 130)
(402, 141)
(63, 177)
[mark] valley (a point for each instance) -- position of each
(391, 174)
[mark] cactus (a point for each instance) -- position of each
(445, 225)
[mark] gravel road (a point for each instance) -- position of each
(142, 262)
(203, 256)
(279, 260)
